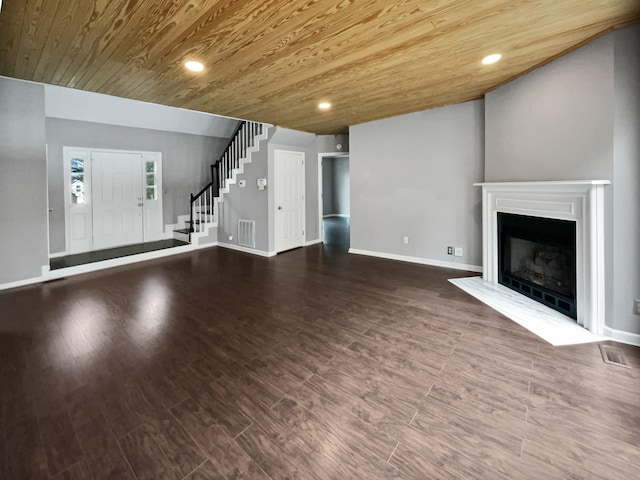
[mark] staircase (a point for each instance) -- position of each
(203, 210)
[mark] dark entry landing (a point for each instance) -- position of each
(111, 253)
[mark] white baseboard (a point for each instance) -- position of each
(167, 235)
(312, 242)
(204, 245)
(252, 251)
(420, 260)
(621, 336)
(21, 283)
(48, 274)
(344, 215)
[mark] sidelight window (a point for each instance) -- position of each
(151, 181)
(77, 181)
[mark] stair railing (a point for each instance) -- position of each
(202, 203)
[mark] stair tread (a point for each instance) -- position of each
(183, 230)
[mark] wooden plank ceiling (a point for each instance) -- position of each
(273, 61)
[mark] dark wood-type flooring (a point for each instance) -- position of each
(111, 253)
(310, 365)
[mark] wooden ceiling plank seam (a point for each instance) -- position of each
(405, 30)
(301, 38)
(381, 73)
(310, 53)
(392, 57)
(63, 55)
(289, 86)
(266, 81)
(222, 48)
(11, 23)
(131, 32)
(382, 94)
(110, 29)
(87, 15)
(229, 39)
(208, 30)
(130, 69)
(49, 12)
(28, 37)
(56, 42)
(232, 70)
(84, 46)
(133, 43)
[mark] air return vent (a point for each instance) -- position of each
(613, 356)
(247, 233)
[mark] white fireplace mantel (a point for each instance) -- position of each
(581, 201)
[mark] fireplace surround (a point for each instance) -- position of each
(573, 206)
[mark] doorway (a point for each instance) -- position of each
(112, 198)
(334, 201)
(289, 178)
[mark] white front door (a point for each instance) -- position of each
(117, 199)
(289, 197)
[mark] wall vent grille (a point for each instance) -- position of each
(247, 233)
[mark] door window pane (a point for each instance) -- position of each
(151, 193)
(151, 167)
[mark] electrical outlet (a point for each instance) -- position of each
(230, 237)
(458, 252)
(636, 306)
(449, 250)
(406, 240)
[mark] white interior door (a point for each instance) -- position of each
(117, 199)
(289, 197)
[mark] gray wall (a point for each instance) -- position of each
(555, 123)
(626, 179)
(185, 163)
(327, 186)
(412, 175)
(329, 143)
(23, 182)
(247, 203)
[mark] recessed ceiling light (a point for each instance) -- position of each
(194, 66)
(493, 58)
(324, 105)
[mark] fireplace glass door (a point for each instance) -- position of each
(537, 257)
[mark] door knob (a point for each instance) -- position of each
(140, 204)
(279, 207)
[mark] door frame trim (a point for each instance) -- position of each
(304, 196)
(321, 157)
